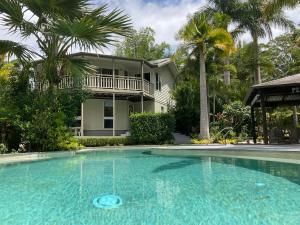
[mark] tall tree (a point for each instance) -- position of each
(58, 27)
(200, 34)
(141, 44)
(253, 17)
(225, 10)
(256, 17)
(274, 5)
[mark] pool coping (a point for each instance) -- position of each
(280, 153)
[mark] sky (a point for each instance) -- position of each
(166, 17)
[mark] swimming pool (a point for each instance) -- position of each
(155, 189)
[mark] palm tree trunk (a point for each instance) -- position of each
(257, 76)
(214, 107)
(204, 119)
(227, 73)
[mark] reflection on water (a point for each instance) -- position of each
(288, 171)
(176, 165)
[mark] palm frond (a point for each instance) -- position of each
(65, 8)
(274, 6)
(94, 30)
(12, 15)
(15, 49)
(280, 20)
(77, 67)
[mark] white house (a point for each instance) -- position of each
(120, 87)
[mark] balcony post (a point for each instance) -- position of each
(113, 73)
(114, 114)
(264, 117)
(114, 99)
(142, 93)
(81, 122)
(253, 124)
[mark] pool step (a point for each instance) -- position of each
(181, 139)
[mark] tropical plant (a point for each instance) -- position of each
(224, 10)
(274, 5)
(201, 34)
(186, 110)
(252, 16)
(58, 27)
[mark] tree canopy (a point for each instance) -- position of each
(141, 44)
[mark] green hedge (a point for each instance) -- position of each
(104, 141)
(152, 128)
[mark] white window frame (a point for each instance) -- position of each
(107, 117)
(157, 82)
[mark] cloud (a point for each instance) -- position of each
(166, 17)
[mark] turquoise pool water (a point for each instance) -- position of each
(154, 189)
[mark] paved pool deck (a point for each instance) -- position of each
(281, 153)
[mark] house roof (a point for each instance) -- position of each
(160, 62)
(283, 91)
(152, 63)
(290, 80)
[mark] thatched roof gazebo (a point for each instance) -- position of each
(280, 92)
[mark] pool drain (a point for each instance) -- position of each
(107, 201)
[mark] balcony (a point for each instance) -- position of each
(106, 83)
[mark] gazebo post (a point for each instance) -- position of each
(253, 124)
(264, 116)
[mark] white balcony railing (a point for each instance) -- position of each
(105, 82)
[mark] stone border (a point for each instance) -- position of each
(280, 153)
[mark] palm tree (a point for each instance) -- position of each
(226, 11)
(254, 18)
(201, 34)
(58, 27)
(275, 5)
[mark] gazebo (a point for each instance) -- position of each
(280, 92)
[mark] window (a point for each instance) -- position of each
(157, 82)
(162, 109)
(108, 114)
(107, 71)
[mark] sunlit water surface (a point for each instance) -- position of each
(155, 190)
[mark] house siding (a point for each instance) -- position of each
(163, 97)
(93, 117)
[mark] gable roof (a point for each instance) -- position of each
(280, 91)
(160, 62)
(290, 80)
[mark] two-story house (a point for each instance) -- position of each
(120, 87)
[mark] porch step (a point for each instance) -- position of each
(181, 139)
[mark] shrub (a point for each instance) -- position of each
(3, 149)
(69, 144)
(227, 141)
(202, 141)
(152, 128)
(104, 141)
